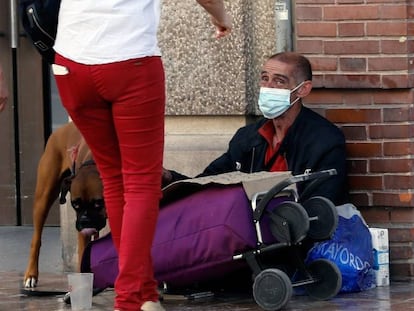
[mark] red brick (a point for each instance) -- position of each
(401, 234)
(399, 114)
(350, 1)
(351, 29)
(390, 28)
(401, 271)
(353, 64)
(359, 199)
(387, 63)
(357, 166)
(324, 96)
(396, 81)
(315, 29)
(352, 81)
(362, 46)
(391, 165)
(365, 182)
(311, 46)
(324, 63)
(354, 115)
(398, 182)
(357, 98)
(401, 252)
(375, 214)
(397, 11)
(366, 149)
(390, 131)
(351, 12)
(401, 148)
(402, 215)
(394, 46)
(317, 81)
(404, 199)
(385, 1)
(354, 132)
(308, 13)
(315, 1)
(393, 97)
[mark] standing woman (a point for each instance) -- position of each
(111, 81)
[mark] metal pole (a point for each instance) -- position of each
(14, 25)
(14, 43)
(283, 13)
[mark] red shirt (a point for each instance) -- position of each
(268, 132)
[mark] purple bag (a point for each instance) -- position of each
(195, 239)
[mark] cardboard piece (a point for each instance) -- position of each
(252, 183)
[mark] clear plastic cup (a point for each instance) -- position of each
(81, 289)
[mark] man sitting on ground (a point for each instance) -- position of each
(290, 137)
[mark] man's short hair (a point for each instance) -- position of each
(302, 65)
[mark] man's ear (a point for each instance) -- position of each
(305, 89)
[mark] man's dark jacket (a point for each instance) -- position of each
(312, 142)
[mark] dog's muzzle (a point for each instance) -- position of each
(90, 216)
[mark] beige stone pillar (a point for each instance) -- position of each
(211, 84)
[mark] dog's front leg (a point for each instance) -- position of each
(83, 241)
(46, 192)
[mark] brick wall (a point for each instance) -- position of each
(362, 56)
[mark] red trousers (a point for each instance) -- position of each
(119, 109)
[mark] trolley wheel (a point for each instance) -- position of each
(272, 289)
(323, 218)
(328, 279)
(290, 222)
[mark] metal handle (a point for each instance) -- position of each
(14, 25)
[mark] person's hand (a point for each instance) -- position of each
(224, 27)
(4, 94)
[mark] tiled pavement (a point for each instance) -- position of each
(14, 243)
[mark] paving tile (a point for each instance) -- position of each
(397, 297)
(14, 241)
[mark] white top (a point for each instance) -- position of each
(105, 31)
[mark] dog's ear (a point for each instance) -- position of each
(65, 188)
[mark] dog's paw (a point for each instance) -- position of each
(30, 282)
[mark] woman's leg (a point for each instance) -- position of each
(92, 114)
(139, 121)
(128, 131)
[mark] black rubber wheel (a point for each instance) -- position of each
(272, 289)
(290, 222)
(328, 279)
(323, 218)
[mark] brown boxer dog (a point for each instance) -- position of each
(66, 165)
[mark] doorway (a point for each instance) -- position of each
(32, 113)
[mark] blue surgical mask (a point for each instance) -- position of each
(274, 102)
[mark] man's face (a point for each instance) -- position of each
(276, 74)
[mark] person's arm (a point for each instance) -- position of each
(219, 16)
(170, 176)
(4, 94)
